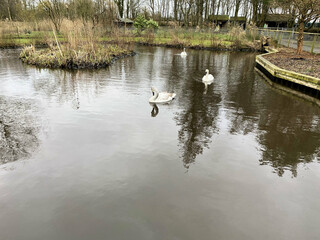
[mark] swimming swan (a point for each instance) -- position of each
(184, 53)
(208, 78)
(163, 97)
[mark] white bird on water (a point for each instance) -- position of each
(184, 53)
(163, 97)
(207, 78)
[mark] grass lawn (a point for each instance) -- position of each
(179, 37)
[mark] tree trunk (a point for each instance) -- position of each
(300, 37)
(213, 8)
(175, 9)
(206, 11)
(9, 13)
(265, 9)
(200, 12)
(255, 11)
(236, 10)
(218, 7)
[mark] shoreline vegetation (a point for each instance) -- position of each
(19, 34)
(80, 44)
(235, 39)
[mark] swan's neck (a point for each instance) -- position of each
(207, 74)
(155, 95)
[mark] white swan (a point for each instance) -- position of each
(208, 78)
(184, 53)
(163, 97)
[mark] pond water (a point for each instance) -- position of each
(84, 156)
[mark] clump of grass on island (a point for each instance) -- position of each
(80, 49)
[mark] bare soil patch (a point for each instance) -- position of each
(306, 63)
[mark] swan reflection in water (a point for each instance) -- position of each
(205, 88)
(155, 110)
(206, 84)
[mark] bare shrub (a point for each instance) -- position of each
(252, 33)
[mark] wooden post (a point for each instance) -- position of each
(313, 42)
(280, 38)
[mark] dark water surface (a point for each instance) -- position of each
(84, 156)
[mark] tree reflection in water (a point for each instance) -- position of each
(287, 128)
(19, 129)
(199, 115)
(197, 124)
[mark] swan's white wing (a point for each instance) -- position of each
(165, 97)
(210, 77)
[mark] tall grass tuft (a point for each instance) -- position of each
(237, 35)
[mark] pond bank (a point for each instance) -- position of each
(274, 64)
(199, 47)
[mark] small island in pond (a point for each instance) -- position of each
(53, 57)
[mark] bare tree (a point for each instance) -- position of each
(306, 11)
(9, 13)
(120, 4)
(151, 4)
(54, 9)
(237, 7)
(185, 8)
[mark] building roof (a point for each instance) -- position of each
(124, 20)
(219, 17)
(278, 17)
(239, 19)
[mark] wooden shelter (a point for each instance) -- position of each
(123, 21)
(239, 20)
(220, 20)
(278, 20)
